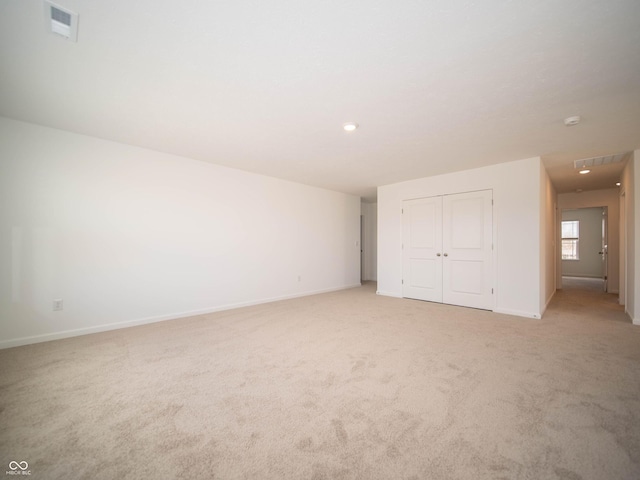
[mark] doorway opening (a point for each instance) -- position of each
(584, 241)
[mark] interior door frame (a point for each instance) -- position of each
(605, 247)
(363, 273)
(622, 290)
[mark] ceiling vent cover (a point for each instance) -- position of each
(61, 21)
(598, 161)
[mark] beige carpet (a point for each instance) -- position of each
(347, 385)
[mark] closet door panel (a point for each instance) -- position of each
(467, 244)
(422, 249)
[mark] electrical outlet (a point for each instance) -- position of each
(57, 305)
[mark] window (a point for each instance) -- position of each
(570, 239)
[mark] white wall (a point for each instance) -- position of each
(517, 229)
(589, 263)
(547, 239)
(630, 257)
(370, 213)
(126, 235)
(610, 198)
(634, 242)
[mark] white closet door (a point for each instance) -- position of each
(422, 249)
(467, 249)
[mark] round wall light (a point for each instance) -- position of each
(350, 126)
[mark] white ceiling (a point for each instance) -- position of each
(265, 86)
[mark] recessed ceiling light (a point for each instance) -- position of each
(583, 172)
(350, 127)
(571, 121)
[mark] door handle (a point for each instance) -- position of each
(446, 254)
(437, 254)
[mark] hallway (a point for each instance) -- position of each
(586, 297)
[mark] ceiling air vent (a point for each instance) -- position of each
(598, 161)
(61, 21)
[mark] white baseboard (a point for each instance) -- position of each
(503, 311)
(18, 342)
(582, 276)
(388, 294)
(517, 313)
(636, 321)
